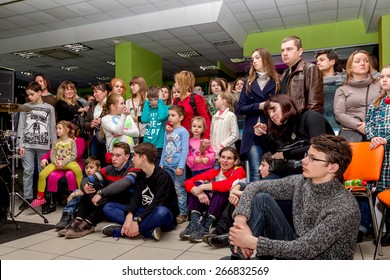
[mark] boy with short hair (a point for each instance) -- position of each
(152, 207)
(36, 134)
(91, 166)
(155, 115)
(174, 156)
(326, 217)
(265, 167)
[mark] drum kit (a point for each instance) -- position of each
(9, 160)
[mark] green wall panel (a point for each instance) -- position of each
(132, 60)
(384, 40)
(320, 36)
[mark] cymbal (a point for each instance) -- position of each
(13, 108)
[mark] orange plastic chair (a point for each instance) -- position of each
(366, 165)
(384, 198)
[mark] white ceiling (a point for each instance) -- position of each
(164, 27)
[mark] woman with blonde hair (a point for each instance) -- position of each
(68, 107)
(353, 97)
(185, 83)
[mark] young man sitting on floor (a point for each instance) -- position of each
(326, 216)
(153, 205)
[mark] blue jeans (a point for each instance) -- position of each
(365, 214)
(31, 158)
(180, 190)
(268, 220)
(97, 150)
(72, 205)
(161, 217)
(114, 212)
(254, 160)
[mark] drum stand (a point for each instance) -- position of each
(14, 177)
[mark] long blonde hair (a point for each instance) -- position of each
(185, 82)
(269, 68)
(229, 98)
(348, 66)
(377, 101)
(61, 92)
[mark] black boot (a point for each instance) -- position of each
(65, 220)
(196, 220)
(50, 205)
(199, 232)
(385, 240)
(219, 241)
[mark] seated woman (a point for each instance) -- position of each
(209, 192)
(287, 126)
(220, 236)
(57, 175)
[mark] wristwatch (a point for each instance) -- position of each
(99, 192)
(136, 219)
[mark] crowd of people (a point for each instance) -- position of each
(166, 156)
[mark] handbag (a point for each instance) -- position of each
(108, 158)
(285, 167)
(108, 155)
(292, 146)
(351, 135)
(100, 136)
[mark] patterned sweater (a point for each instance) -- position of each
(326, 218)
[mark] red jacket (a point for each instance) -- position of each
(189, 113)
(221, 186)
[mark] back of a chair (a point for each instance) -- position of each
(366, 164)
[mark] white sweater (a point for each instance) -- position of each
(224, 130)
(119, 129)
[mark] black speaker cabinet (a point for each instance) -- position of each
(7, 85)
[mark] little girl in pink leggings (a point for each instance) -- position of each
(57, 175)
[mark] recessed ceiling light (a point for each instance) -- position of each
(189, 54)
(111, 62)
(223, 43)
(26, 54)
(71, 68)
(28, 72)
(208, 67)
(77, 47)
(238, 59)
(103, 78)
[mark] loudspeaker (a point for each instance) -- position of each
(7, 85)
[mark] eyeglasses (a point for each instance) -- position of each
(312, 158)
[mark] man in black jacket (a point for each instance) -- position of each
(153, 205)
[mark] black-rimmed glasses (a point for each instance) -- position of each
(312, 158)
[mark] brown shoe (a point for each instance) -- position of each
(82, 229)
(72, 225)
(181, 219)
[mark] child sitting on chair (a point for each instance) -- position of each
(63, 156)
(57, 175)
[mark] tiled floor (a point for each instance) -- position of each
(96, 246)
